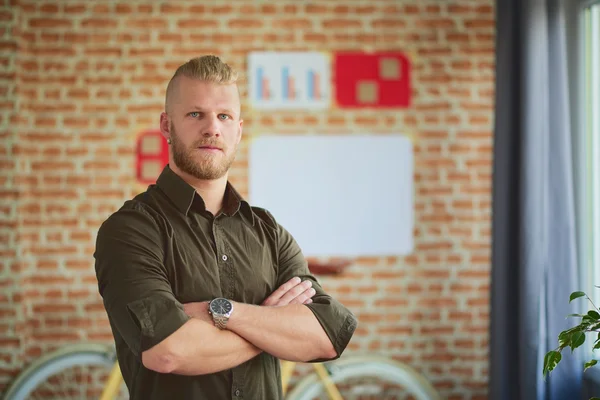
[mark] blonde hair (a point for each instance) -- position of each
(209, 68)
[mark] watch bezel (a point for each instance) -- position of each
(210, 305)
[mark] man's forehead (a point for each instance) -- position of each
(203, 94)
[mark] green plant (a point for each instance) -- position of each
(575, 337)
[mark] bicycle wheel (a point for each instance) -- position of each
(72, 372)
(367, 377)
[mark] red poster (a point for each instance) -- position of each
(152, 154)
(372, 80)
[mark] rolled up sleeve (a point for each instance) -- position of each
(133, 281)
(338, 322)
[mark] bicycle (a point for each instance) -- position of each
(328, 379)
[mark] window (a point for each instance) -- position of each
(588, 165)
(586, 112)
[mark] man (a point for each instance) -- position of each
(205, 293)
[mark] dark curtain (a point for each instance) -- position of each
(534, 265)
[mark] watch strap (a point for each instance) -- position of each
(220, 321)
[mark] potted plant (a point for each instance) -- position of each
(574, 337)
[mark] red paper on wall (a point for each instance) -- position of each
(152, 154)
(372, 80)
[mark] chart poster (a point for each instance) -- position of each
(152, 154)
(289, 80)
(372, 80)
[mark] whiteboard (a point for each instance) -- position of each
(346, 195)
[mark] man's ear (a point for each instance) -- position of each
(239, 139)
(165, 125)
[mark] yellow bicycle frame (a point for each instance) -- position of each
(287, 370)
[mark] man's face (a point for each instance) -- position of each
(205, 128)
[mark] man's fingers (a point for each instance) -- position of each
(274, 297)
(304, 297)
(295, 292)
(283, 289)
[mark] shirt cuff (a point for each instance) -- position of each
(337, 321)
(157, 317)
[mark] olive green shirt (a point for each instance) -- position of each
(163, 249)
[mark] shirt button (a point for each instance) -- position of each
(224, 257)
(237, 392)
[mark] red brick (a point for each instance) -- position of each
(484, 9)
(74, 8)
(341, 23)
(47, 23)
(195, 23)
(388, 23)
(99, 23)
(146, 23)
(292, 23)
(444, 23)
(480, 23)
(54, 308)
(103, 51)
(56, 337)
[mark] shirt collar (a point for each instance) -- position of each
(183, 195)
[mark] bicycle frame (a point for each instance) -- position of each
(287, 370)
(112, 383)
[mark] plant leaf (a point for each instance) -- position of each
(594, 327)
(590, 364)
(586, 321)
(564, 339)
(594, 315)
(575, 315)
(576, 295)
(596, 346)
(577, 339)
(551, 360)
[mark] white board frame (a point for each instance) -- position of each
(338, 195)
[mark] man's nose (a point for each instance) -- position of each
(212, 127)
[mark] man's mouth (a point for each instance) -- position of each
(209, 148)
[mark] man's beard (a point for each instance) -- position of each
(211, 166)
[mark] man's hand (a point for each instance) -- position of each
(198, 310)
(292, 292)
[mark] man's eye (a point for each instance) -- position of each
(194, 114)
(223, 116)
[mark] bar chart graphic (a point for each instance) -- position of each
(314, 91)
(289, 80)
(263, 85)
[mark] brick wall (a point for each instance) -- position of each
(79, 79)
(10, 290)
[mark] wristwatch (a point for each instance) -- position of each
(221, 310)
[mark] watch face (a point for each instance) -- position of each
(220, 306)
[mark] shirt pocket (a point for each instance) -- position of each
(255, 267)
(194, 271)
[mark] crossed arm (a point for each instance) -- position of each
(173, 338)
(281, 326)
